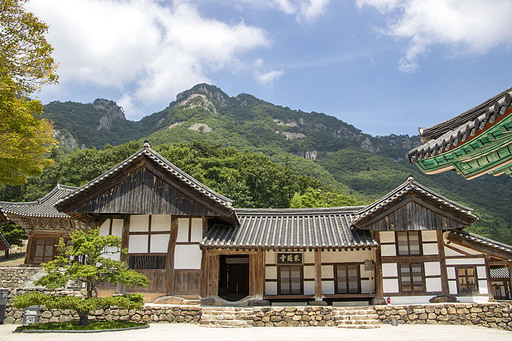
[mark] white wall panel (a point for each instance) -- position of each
(187, 257)
(309, 287)
(196, 234)
(105, 227)
(366, 286)
(481, 273)
(139, 223)
(430, 249)
(345, 256)
(327, 271)
(138, 244)
(433, 284)
(270, 288)
(429, 236)
(432, 269)
(271, 272)
(482, 287)
(309, 272)
(309, 257)
(117, 227)
(464, 261)
(270, 257)
(448, 252)
(160, 243)
(450, 271)
(390, 285)
(388, 250)
(182, 230)
(161, 222)
(328, 287)
(387, 237)
(453, 287)
(389, 270)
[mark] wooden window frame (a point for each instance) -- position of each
(408, 233)
(279, 281)
(412, 285)
(460, 286)
(347, 265)
(148, 233)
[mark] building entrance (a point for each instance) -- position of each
(234, 277)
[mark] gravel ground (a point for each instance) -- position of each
(189, 332)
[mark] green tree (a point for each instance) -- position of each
(25, 66)
(86, 260)
(320, 198)
(13, 234)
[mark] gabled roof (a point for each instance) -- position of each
(163, 163)
(473, 143)
(485, 241)
(312, 228)
(40, 208)
(398, 194)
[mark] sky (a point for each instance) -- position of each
(384, 66)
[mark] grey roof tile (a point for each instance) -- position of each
(316, 228)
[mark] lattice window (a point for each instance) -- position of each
(348, 278)
(411, 278)
(466, 280)
(408, 243)
(290, 280)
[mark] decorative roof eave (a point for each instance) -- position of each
(401, 191)
(476, 134)
(494, 247)
(205, 246)
(149, 153)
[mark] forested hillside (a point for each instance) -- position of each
(309, 154)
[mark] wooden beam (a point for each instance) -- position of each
(379, 291)
(442, 261)
(318, 275)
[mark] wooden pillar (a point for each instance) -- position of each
(442, 262)
(488, 275)
(29, 251)
(125, 236)
(260, 281)
(510, 280)
(318, 275)
(203, 282)
(213, 275)
(170, 255)
(379, 292)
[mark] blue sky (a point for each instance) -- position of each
(384, 66)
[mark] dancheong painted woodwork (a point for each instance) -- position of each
(409, 246)
(477, 142)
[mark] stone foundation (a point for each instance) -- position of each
(15, 277)
(492, 315)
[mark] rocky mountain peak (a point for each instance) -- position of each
(214, 94)
(112, 112)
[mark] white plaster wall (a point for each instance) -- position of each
(410, 299)
(270, 257)
(450, 271)
(452, 285)
(309, 257)
(138, 244)
(482, 287)
(196, 234)
(433, 284)
(481, 273)
(187, 257)
(390, 285)
(451, 253)
(327, 287)
(139, 223)
(161, 222)
(270, 288)
(466, 249)
(309, 272)
(327, 271)
(309, 287)
(182, 230)
(429, 236)
(105, 227)
(432, 268)
(476, 299)
(367, 286)
(387, 236)
(430, 249)
(159, 243)
(271, 272)
(117, 227)
(388, 250)
(465, 261)
(365, 273)
(389, 270)
(345, 256)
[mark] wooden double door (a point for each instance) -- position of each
(233, 277)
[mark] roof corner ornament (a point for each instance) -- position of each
(410, 178)
(146, 144)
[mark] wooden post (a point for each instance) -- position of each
(379, 292)
(442, 261)
(260, 280)
(30, 246)
(203, 283)
(170, 255)
(509, 279)
(488, 275)
(125, 236)
(318, 275)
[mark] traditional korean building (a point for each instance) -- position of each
(473, 143)
(408, 246)
(43, 224)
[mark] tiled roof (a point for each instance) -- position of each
(148, 152)
(316, 228)
(4, 245)
(499, 272)
(484, 240)
(40, 208)
(455, 131)
(404, 189)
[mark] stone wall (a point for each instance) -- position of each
(492, 315)
(292, 316)
(15, 277)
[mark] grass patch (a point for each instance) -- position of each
(73, 325)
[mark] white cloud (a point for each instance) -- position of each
(264, 76)
(465, 26)
(146, 49)
(303, 10)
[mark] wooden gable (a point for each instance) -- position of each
(145, 184)
(413, 207)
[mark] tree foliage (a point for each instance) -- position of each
(25, 66)
(321, 198)
(13, 234)
(86, 260)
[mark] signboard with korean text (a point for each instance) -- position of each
(289, 258)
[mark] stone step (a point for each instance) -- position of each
(356, 317)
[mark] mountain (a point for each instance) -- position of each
(323, 147)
